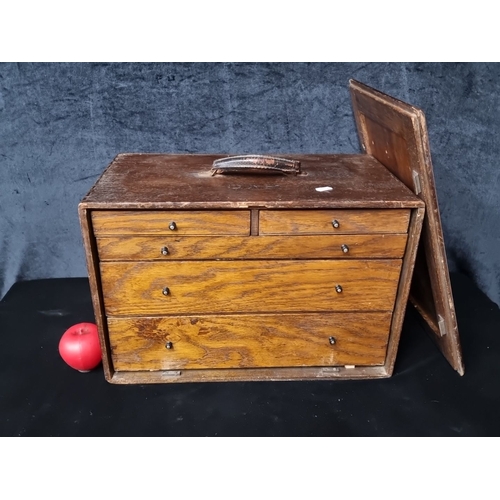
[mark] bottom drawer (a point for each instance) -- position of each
(249, 341)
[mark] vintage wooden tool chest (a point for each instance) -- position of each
(202, 275)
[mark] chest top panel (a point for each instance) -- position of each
(160, 181)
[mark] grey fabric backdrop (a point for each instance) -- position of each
(61, 125)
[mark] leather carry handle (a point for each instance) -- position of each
(255, 164)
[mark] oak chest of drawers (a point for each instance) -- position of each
(201, 277)
(246, 276)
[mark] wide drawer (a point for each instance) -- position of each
(142, 288)
(166, 248)
(248, 341)
(349, 221)
(178, 222)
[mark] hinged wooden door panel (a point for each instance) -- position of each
(395, 133)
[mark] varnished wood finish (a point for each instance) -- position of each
(249, 375)
(96, 289)
(248, 341)
(320, 221)
(186, 222)
(360, 246)
(395, 133)
(135, 288)
(403, 293)
(243, 305)
(158, 182)
(254, 222)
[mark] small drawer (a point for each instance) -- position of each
(165, 248)
(171, 222)
(184, 287)
(349, 221)
(248, 341)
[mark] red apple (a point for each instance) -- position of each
(79, 347)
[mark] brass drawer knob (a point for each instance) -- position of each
(164, 250)
(172, 226)
(338, 288)
(166, 291)
(332, 340)
(344, 248)
(169, 345)
(335, 223)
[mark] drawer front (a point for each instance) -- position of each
(143, 288)
(171, 222)
(248, 341)
(165, 248)
(333, 221)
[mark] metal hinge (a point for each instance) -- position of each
(442, 326)
(170, 373)
(416, 182)
(330, 369)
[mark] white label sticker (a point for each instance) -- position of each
(325, 188)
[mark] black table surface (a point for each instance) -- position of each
(41, 396)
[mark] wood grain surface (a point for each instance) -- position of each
(395, 133)
(249, 374)
(109, 222)
(135, 288)
(320, 221)
(249, 341)
(251, 269)
(403, 292)
(92, 261)
(359, 246)
(161, 181)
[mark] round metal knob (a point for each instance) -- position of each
(164, 250)
(172, 226)
(166, 291)
(169, 345)
(344, 248)
(335, 223)
(332, 340)
(338, 289)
